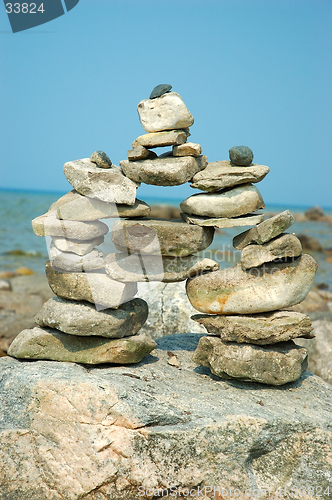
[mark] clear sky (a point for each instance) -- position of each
(252, 72)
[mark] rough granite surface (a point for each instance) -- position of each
(71, 433)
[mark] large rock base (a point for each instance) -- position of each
(125, 433)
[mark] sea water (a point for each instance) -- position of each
(19, 247)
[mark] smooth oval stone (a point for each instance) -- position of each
(160, 237)
(275, 365)
(267, 288)
(46, 343)
(82, 318)
(76, 246)
(281, 247)
(144, 268)
(108, 185)
(164, 171)
(160, 89)
(71, 262)
(265, 231)
(166, 112)
(222, 174)
(97, 288)
(234, 202)
(264, 328)
(241, 155)
(49, 225)
(101, 159)
(74, 206)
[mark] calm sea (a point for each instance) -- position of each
(20, 247)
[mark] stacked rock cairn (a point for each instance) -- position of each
(95, 318)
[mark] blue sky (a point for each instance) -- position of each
(252, 72)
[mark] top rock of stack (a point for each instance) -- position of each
(241, 155)
(101, 159)
(167, 112)
(159, 90)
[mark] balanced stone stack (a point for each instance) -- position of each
(230, 196)
(93, 319)
(160, 249)
(250, 332)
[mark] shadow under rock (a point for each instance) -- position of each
(179, 342)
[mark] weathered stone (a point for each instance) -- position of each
(101, 159)
(160, 237)
(81, 318)
(247, 220)
(161, 139)
(46, 343)
(166, 112)
(140, 268)
(74, 206)
(108, 185)
(320, 348)
(160, 89)
(5, 286)
(277, 364)
(169, 171)
(267, 288)
(71, 262)
(281, 247)
(313, 302)
(222, 174)
(169, 311)
(187, 149)
(241, 155)
(310, 244)
(265, 328)
(49, 225)
(115, 431)
(140, 153)
(76, 246)
(97, 288)
(265, 231)
(234, 202)
(314, 213)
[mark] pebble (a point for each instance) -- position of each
(76, 246)
(281, 247)
(167, 112)
(168, 171)
(140, 153)
(187, 149)
(49, 225)
(97, 288)
(108, 185)
(160, 89)
(240, 200)
(101, 159)
(265, 328)
(277, 364)
(71, 262)
(47, 343)
(5, 286)
(161, 139)
(143, 268)
(268, 288)
(222, 174)
(74, 206)
(160, 237)
(241, 155)
(265, 231)
(82, 318)
(247, 220)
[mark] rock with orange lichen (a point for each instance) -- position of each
(266, 288)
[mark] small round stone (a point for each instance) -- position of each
(241, 155)
(160, 90)
(101, 159)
